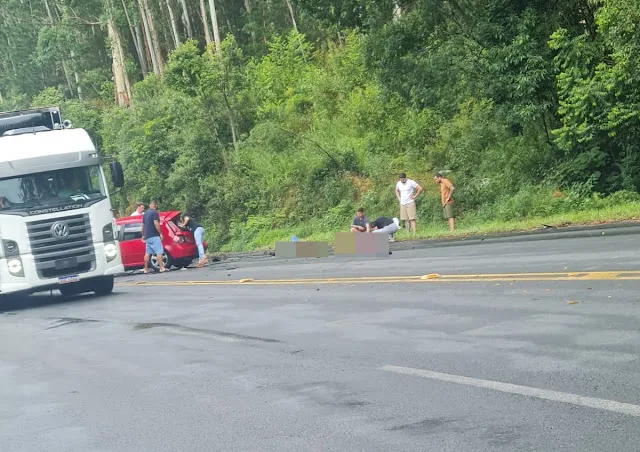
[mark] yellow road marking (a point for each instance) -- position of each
(431, 278)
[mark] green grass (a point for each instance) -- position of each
(468, 226)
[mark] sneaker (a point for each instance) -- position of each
(391, 239)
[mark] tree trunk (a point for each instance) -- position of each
(264, 26)
(247, 7)
(63, 63)
(174, 25)
(205, 23)
(232, 123)
(76, 76)
(186, 18)
(293, 16)
(12, 63)
(155, 39)
(169, 42)
(65, 69)
(152, 37)
(8, 55)
(136, 42)
(397, 11)
(46, 6)
(144, 55)
(226, 17)
(147, 34)
(121, 81)
(214, 21)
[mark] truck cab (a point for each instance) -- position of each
(57, 228)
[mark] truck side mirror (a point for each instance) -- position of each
(117, 175)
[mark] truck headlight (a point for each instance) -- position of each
(107, 233)
(15, 267)
(111, 251)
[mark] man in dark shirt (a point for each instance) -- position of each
(152, 237)
(360, 223)
(384, 225)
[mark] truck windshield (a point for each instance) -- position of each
(52, 188)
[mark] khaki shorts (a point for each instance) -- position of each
(408, 211)
(447, 211)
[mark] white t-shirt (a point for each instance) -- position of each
(406, 190)
(136, 213)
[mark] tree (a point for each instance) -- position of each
(205, 22)
(599, 99)
(152, 37)
(174, 24)
(121, 79)
(214, 22)
(273, 116)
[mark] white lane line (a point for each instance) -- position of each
(554, 396)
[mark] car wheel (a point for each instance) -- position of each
(103, 286)
(166, 258)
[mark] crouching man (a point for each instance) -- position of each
(360, 222)
(384, 225)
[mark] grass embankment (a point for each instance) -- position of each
(466, 226)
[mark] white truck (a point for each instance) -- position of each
(57, 228)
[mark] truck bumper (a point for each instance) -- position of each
(31, 282)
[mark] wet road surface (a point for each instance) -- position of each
(175, 363)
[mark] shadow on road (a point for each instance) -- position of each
(10, 303)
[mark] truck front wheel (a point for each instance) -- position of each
(103, 285)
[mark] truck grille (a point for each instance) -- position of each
(62, 246)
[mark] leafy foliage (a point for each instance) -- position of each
(530, 107)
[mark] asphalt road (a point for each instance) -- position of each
(183, 362)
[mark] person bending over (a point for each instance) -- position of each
(384, 225)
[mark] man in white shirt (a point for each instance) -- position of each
(139, 210)
(407, 191)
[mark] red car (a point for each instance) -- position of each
(179, 246)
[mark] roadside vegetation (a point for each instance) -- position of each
(305, 110)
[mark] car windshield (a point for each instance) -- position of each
(49, 188)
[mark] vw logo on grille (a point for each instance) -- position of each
(60, 230)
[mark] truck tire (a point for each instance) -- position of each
(103, 285)
(72, 289)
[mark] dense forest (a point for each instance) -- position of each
(267, 117)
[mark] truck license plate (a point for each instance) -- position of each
(68, 279)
